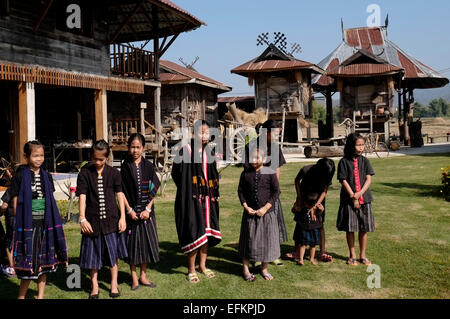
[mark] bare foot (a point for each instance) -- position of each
(313, 261)
(300, 262)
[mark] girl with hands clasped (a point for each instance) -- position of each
(140, 184)
(103, 224)
(259, 238)
(39, 243)
(355, 210)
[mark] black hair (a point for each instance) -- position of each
(101, 145)
(199, 123)
(268, 125)
(198, 126)
(324, 171)
(349, 148)
(311, 199)
(136, 136)
(30, 145)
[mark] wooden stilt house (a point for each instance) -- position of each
(368, 70)
(282, 88)
(68, 72)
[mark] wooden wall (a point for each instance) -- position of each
(49, 46)
(361, 93)
(276, 90)
(201, 102)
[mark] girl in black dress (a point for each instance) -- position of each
(259, 238)
(103, 224)
(39, 243)
(355, 209)
(140, 184)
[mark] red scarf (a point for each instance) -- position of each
(357, 181)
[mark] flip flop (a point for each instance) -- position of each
(150, 285)
(267, 276)
(207, 272)
(250, 278)
(192, 278)
(291, 256)
(365, 261)
(325, 258)
(135, 288)
(352, 262)
(277, 262)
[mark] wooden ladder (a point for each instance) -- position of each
(363, 123)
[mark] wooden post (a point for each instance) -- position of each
(299, 130)
(157, 102)
(27, 116)
(282, 126)
(405, 119)
(101, 112)
(329, 116)
(79, 135)
(184, 101)
(142, 117)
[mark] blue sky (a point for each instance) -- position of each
(421, 28)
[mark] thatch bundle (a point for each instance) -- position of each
(240, 116)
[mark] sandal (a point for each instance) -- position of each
(267, 276)
(249, 278)
(290, 256)
(192, 278)
(365, 261)
(277, 262)
(207, 272)
(325, 258)
(352, 262)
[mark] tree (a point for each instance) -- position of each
(420, 110)
(439, 107)
(318, 112)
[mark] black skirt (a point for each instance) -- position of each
(36, 240)
(142, 242)
(102, 250)
(259, 238)
(303, 236)
(355, 220)
(280, 219)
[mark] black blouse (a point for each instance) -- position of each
(102, 211)
(37, 191)
(257, 189)
(346, 172)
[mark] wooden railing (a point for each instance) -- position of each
(156, 141)
(131, 62)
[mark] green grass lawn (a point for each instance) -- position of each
(410, 244)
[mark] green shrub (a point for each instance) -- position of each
(445, 188)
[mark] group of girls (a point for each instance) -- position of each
(117, 216)
(262, 228)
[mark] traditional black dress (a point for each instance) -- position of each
(140, 184)
(196, 202)
(105, 245)
(280, 161)
(350, 219)
(259, 237)
(39, 242)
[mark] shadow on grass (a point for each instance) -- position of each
(8, 289)
(219, 258)
(60, 278)
(419, 189)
